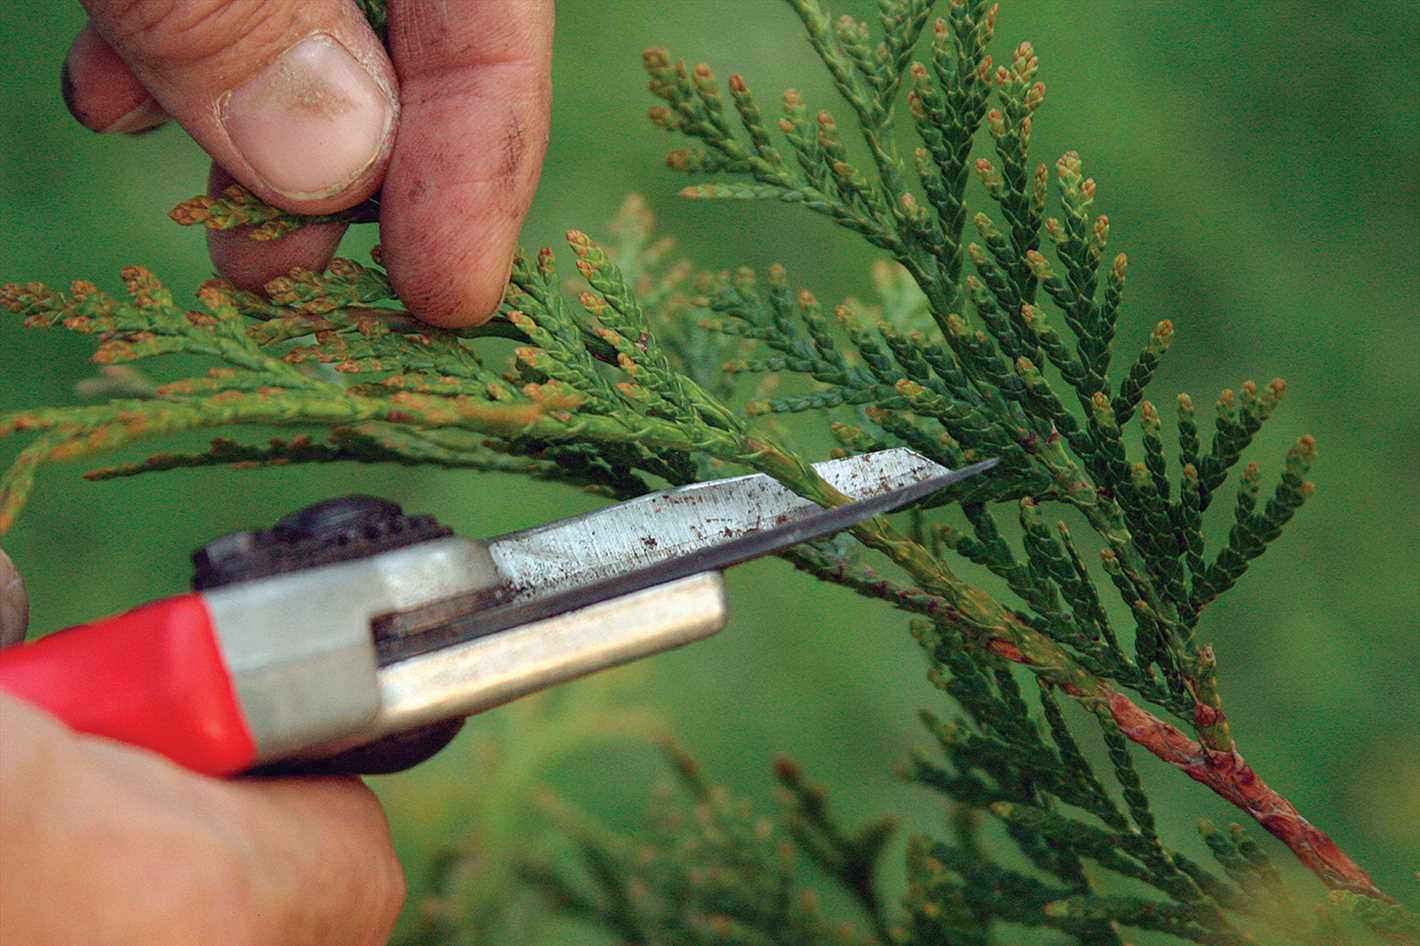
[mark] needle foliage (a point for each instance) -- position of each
(991, 331)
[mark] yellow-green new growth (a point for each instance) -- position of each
(622, 391)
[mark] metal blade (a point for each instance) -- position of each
(680, 522)
(664, 536)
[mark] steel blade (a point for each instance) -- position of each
(678, 522)
(665, 536)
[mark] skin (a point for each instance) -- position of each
(107, 844)
(103, 843)
(473, 82)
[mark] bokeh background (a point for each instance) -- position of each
(1260, 163)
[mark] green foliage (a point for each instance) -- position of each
(472, 878)
(633, 386)
(708, 870)
(237, 207)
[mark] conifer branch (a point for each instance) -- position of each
(850, 858)
(634, 384)
(238, 208)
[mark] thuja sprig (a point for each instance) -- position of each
(617, 392)
(988, 392)
(851, 858)
(594, 377)
(598, 377)
(708, 870)
(238, 208)
(972, 392)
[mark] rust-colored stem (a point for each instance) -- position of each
(1237, 783)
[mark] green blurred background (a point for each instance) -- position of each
(1259, 164)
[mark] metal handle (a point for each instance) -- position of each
(485, 672)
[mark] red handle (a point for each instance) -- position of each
(151, 677)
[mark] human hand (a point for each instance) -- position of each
(102, 843)
(299, 102)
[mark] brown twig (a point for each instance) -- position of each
(1237, 783)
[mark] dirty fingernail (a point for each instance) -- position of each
(14, 603)
(145, 117)
(94, 105)
(312, 121)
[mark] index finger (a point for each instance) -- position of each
(476, 94)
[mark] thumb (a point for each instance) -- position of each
(296, 99)
(14, 603)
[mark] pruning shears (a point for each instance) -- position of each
(352, 637)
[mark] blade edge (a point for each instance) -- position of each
(674, 523)
(818, 524)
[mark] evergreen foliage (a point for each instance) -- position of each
(960, 358)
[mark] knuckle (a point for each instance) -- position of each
(509, 33)
(125, 18)
(361, 870)
(184, 32)
(382, 884)
(373, 888)
(394, 889)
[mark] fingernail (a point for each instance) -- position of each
(145, 117)
(105, 94)
(312, 121)
(14, 603)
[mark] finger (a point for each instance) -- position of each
(102, 93)
(296, 99)
(162, 874)
(184, 858)
(251, 264)
(14, 603)
(323, 866)
(476, 91)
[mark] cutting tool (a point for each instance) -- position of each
(353, 637)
